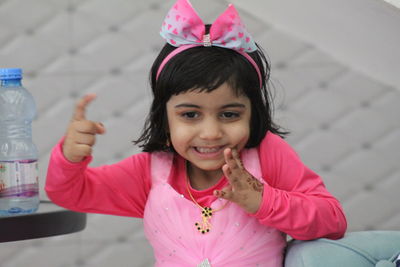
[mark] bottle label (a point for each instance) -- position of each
(19, 178)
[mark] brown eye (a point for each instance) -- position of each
(190, 115)
(229, 115)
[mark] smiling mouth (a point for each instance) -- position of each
(209, 151)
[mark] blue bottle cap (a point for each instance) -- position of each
(10, 74)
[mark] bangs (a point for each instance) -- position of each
(205, 69)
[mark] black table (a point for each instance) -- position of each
(49, 220)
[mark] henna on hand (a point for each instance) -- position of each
(255, 184)
(243, 189)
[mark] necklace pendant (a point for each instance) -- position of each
(205, 225)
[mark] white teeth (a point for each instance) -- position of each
(207, 150)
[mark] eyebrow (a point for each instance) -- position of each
(230, 105)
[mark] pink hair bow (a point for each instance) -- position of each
(182, 26)
(184, 29)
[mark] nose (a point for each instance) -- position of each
(211, 129)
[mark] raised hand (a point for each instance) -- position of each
(243, 188)
(81, 133)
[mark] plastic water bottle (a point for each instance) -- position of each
(19, 185)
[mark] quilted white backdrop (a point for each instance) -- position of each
(344, 125)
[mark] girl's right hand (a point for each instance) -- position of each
(81, 133)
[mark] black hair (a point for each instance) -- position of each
(205, 69)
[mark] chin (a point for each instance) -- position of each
(209, 167)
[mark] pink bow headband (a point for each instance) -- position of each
(184, 29)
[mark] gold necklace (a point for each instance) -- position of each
(206, 213)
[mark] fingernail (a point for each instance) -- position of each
(103, 129)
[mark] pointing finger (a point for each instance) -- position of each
(80, 108)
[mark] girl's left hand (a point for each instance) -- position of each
(243, 188)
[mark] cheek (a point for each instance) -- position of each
(240, 134)
(180, 134)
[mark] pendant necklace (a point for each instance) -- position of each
(204, 226)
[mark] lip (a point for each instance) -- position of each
(208, 152)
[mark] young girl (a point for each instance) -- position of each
(216, 184)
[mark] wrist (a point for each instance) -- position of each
(256, 202)
(266, 203)
(67, 156)
(58, 158)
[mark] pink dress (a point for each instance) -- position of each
(235, 239)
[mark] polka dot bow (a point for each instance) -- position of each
(182, 26)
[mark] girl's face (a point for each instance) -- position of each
(202, 125)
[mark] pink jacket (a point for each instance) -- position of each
(295, 200)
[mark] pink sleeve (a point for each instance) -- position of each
(295, 200)
(117, 189)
